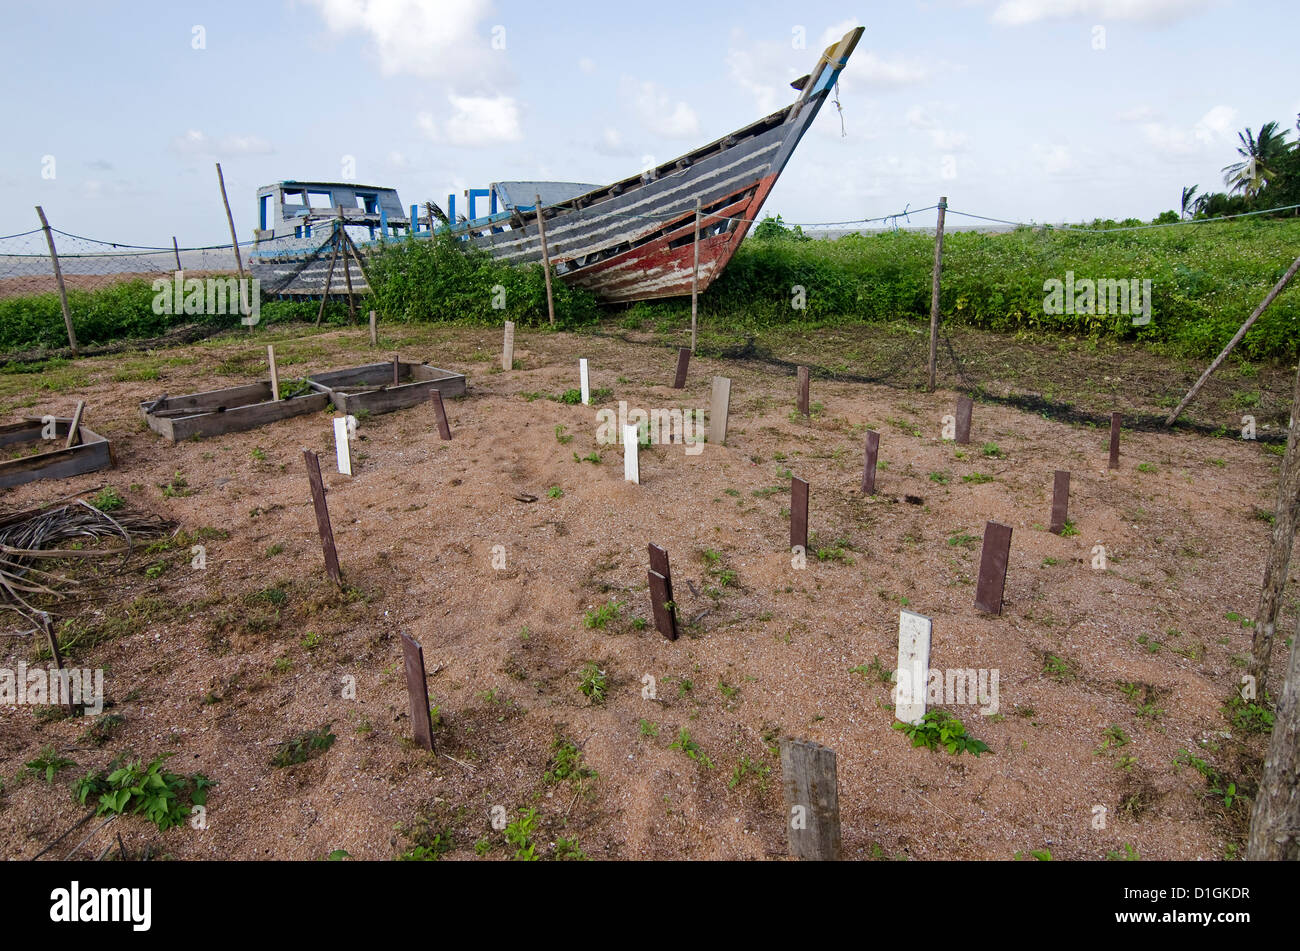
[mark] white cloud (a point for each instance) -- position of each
(428, 38)
(196, 142)
(483, 120)
(1054, 160)
(945, 140)
(611, 143)
(1021, 12)
(657, 112)
(882, 72)
(1213, 129)
(587, 65)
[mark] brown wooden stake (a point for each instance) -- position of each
(74, 428)
(1236, 339)
(934, 291)
(719, 410)
(52, 640)
(812, 800)
(798, 514)
(275, 373)
(374, 331)
(440, 412)
(683, 362)
(177, 249)
(546, 259)
(230, 220)
(322, 517)
(965, 407)
(1060, 500)
(397, 370)
(803, 375)
(1115, 420)
(329, 278)
(58, 279)
(695, 275)
(417, 689)
(869, 465)
(659, 566)
(994, 555)
(661, 604)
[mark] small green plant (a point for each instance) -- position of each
(964, 539)
(258, 455)
(555, 492)
(483, 846)
(311, 640)
(942, 478)
(156, 569)
(649, 728)
(519, 833)
(1247, 716)
(991, 450)
(1146, 467)
(568, 850)
(598, 617)
(1069, 530)
(875, 670)
(560, 435)
(571, 397)
(161, 796)
(748, 767)
(685, 744)
(566, 763)
(1058, 668)
(48, 764)
(939, 728)
(592, 683)
(107, 499)
(304, 746)
(176, 488)
(1113, 738)
(273, 550)
(977, 478)
(102, 730)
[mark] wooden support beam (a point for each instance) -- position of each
(695, 276)
(374, 331)
(812, 800)
(508, 347)
(342, 449)
(230, 220)
(440, 413)
(275, 373)
(631, 457)
(177, 250)
(804, 375)
(74, 427)
(546, 258)
(58, 279)
(322, 517)
(912, 674)
(329, 277)
(661, 604)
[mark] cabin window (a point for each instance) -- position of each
(368, 203)
(320, 199)
(295, 198)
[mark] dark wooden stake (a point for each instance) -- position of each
(994, 555)
(803, 390)
(329, 277)
(52, 640)
(869, 466)
(683, 362)
(934, 291)
(397, 370)
(798, 513)
(1060, 500)
(695, 275)
(322, 517)
(440, 411)
(230, 220)
(661, 603)
(1115, 419)
(177, 249)
(74, 427)
(812, 800)
(417, 688)
(965, 407)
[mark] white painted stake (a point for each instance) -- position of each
(912, 676)
(586, 382)
(631, 461)
(275, 375)
(508, 349)
(719, 406)
(341, 447)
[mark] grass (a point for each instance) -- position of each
(687, 745)
(939, 728)
(593, 683)
(598, 617)
(302, 747)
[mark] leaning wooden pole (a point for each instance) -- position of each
(329, 276)
(1236, 339)
(58, 279)
(695, 275)
(546, 259)
(230, 220)
(176, 248)
(934, 291)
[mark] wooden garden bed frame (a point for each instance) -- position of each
(90, 453)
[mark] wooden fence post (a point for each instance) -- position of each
(508, 347)
(965, 407)
(374, 331)
(58, 279)
(812, 800)
(804, 375)
(719, 409)
(74, 427)
(1060, 500)
(1115, 420)
(230, 220)
(798, 514)
(869, 464)
(275, 373)
(417, 690)
(322, 517)
(934, 290)
(176, 248)
(546, 259)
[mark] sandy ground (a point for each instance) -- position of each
(218, 675)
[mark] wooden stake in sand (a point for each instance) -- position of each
(964, 409)
(661, 603)
(508, 347)
(374, 331)
(275, 374)
(74, 427)
(683, 362)
(322, 517)
(417, 689)
(804, 376)
(994, 555)
(1115, 419)
(631, 460)
(52, 640)
(869, 463)
(397, 370)
(440, 411)
(584, 380)
(912, 675)
(719, 408)
(341, 447)
(812, 800)
(1060, 500)
(798, 514)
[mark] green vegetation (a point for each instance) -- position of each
(303, 747)
(939, 728)
(161, 796)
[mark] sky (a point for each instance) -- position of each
(1042, 110)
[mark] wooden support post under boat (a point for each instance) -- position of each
(347, 273)
(695, 275)
(329, 276)
(934, 291)
(546, 259)
(74, 428)
(58, 279)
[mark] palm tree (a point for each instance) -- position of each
(1258, 155)
(1188, 193)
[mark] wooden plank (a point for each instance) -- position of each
(870, 462)
(659, 563)
(1060, 500)
(92, 454)
(912, 674)
(812, 801)
(584, 380)
(1115, 421)
(508, 347)
(994, 555)
(719, 408)
(74, 427)
(683, 362)
(631, 458)
(341, 447)
(275, 373)
(233, 417)
(546, 258)
(695, 275)
(965, 406)
(803, 376)
(322, 517)
(417, 690)
(440, 413)
(798, 514)
(661, 604)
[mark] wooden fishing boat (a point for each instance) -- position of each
(631, 240)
